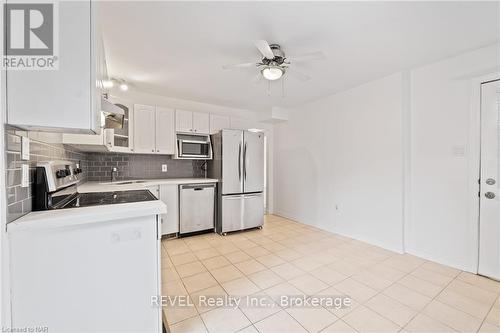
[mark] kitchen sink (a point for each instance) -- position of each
(126, 182)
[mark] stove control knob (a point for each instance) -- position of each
(61, 173)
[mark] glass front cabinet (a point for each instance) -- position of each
(122, 137)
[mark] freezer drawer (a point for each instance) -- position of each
(241, 212)
(196, 207)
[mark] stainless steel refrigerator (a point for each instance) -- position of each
(238, 163)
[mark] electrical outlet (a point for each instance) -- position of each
(163, 168)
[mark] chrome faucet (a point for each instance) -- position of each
(114, 171)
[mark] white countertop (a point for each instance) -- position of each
(86, 215)
(93, 186)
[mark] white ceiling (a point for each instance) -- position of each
(177, 48)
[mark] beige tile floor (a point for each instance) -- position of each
(390, 292)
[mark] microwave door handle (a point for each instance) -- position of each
(179, 144)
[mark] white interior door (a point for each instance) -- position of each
(489, 222)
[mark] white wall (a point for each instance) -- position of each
(397, 155)
(338, 163)
(443, 224)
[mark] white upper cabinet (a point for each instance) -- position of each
(144, 129)
(66, 99)
(165, 131)
(154, 131)
(201, 123)
(183, 121)
(192, 122)
(218, 123)
(123, 137)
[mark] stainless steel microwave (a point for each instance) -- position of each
(193, 147)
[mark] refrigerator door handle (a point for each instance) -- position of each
(239, 161)
(245, 162)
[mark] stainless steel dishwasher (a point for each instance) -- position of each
(197, 207)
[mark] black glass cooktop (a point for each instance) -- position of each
(109, 198)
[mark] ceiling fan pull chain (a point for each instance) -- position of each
(283, 87)
(268, 88)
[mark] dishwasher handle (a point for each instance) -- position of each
(196, 187)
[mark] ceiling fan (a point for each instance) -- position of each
(275, 64)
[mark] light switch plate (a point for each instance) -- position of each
(25, 148)
(163, 168)
(25, 175)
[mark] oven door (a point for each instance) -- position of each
(194, 149)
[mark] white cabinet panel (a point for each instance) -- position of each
(192, 122)
(218, 122)
(165, 131)
(63, 99)
(201, 123)
(144, 129)
(169, 194)
(47, 265)
(183, 121)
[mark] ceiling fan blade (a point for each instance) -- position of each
(298, 75)
(308, 57)
(265, 49)
(243, 65)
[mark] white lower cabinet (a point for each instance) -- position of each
(48, 262)
(169, 194)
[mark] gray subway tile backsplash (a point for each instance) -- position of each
(96, 166)
(140, 166)
(19, 199)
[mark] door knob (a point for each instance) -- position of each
(490, 181)
(489, 195)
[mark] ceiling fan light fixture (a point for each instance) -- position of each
(272, 73)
